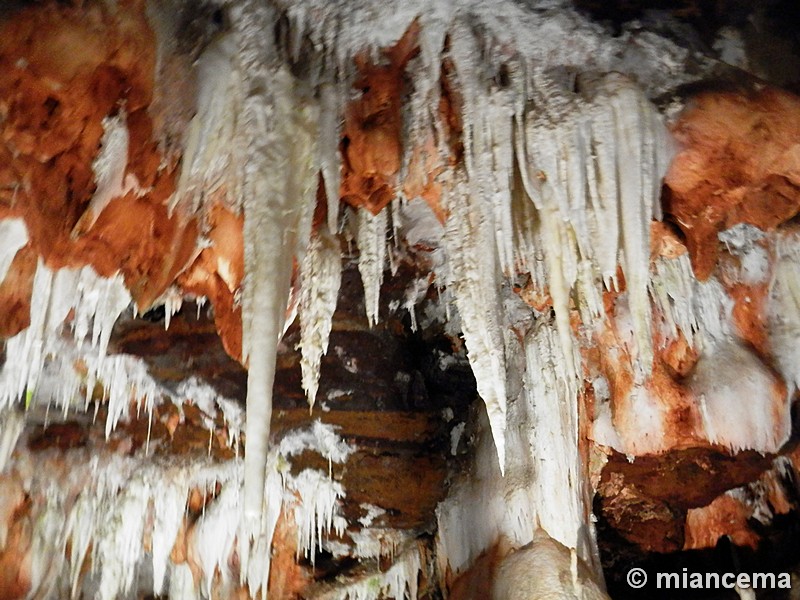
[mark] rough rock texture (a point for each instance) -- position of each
(464, 185)
(718, 181)
(370, 146)
(64, 70)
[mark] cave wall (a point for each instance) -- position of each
(541, 298)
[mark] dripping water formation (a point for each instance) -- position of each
(449, 299)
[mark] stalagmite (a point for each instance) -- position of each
(556, 576)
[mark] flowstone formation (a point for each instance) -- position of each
(342, 300)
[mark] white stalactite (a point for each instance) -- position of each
(641, 164)
(592, 165)
(551, 393)
(473, 279)
(277, 131)
(119, 539)
(95, 303)
(371, 240)
(320, 275)
(543, 485)
(182, 585)
(319, 512)
(108, 503)
(12, 422)
(209, 156)
(331, 107)
(700, 310)
(557, 184)
(109, 170)
(169, 506)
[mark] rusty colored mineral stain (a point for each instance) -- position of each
(287, 579)
(179, 551)
(537, 298)
(63, 69)
(371, 146)
(681, 419)
(725, 516)
(15, 293)
(732, 515)
(476, 582)
(15, 576)
(678, 356)
(750, 301)
(422, 179)
(665, 241)
(749, 315)
(429, 164)
(739, 163)
(217, 274)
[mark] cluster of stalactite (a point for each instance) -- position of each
(620, 273)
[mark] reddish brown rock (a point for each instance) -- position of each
(14, 558)
(217, 274)
(63, 69)
(648, 522)
(742, 514)
(371, 146)
(739, 162)
(15, 293)
(288, 578)
(476, 582)
(725, 516)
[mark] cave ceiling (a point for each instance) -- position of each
(330, 300)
